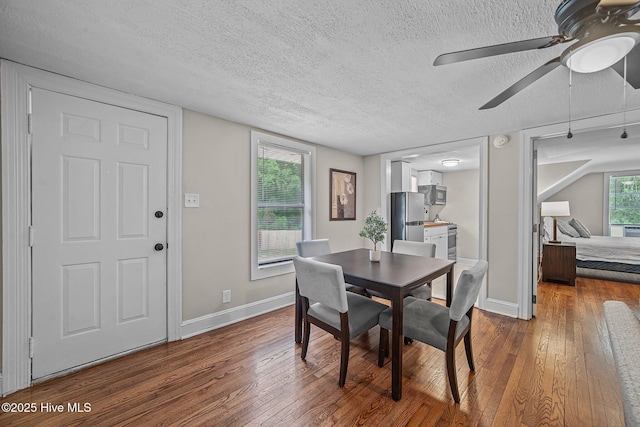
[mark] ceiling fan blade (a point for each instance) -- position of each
(523, 83)
(499, 49)
(633, 67)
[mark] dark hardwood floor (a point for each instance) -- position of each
(554, 370)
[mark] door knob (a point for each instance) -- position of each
(158, 247)
(159, 214)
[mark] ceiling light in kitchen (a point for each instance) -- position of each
(449, 163)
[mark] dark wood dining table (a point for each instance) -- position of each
(394, 276)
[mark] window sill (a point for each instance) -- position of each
(271, 270)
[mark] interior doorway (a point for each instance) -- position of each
(471, 238)
(586, 152)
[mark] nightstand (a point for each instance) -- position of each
(559, 262)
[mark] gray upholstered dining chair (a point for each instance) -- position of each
(317, 247)
(439, 326)
(343, 314)
(309, 248)
(418, 249)
(413, 248)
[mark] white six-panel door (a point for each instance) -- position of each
(99, 179)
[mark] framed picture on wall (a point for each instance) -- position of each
(342, 192)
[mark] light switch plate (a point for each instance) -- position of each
(191, 200)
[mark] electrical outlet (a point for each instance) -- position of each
(226, 296)
(191, 200)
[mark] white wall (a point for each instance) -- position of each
(586, 199)
(216, 236)
(551, 173)
(463, 209)
(372, 175)
(503, 227)
(343, 235)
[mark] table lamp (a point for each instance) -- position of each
(555, 209)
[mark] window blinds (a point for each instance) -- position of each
(281, 186)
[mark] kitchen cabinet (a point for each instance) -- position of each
(439, 236)
(400, 177)
(429, 178)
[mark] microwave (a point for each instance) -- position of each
(433, 194)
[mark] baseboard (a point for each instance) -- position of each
(217, 320)
(466, 261)
(501, 307)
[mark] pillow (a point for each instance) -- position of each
(565, 228)
(580, 228)
(547, 226)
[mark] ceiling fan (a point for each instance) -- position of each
(603, 34)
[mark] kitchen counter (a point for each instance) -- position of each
(436, 224)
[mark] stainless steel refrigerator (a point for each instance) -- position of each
(407, 216)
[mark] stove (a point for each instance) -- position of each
(452, 238)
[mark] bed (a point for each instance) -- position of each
(603, 257)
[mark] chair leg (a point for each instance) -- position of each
(345, 339)
(305, 338)
(451, 370)
(344, 362)
(386, 346)
(383, 346)
(469, 350)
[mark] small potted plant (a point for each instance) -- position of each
(374, 229)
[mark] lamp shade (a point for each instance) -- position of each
(555, 209)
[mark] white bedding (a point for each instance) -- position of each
(600, 248)
(606, 248)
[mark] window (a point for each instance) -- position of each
(623, 200)
(282, 189)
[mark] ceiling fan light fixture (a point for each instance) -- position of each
(596, 55)
(449, 163)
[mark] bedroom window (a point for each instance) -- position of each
(281, 198)
(624, 200)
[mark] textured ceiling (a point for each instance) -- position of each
(602, 148)
(355, 75)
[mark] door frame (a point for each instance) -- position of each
(15, 83)
(483, 204)
(527, 283)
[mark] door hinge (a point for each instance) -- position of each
(32, 232)
(29, 123)
(535, 228)
(533, 299)
(31, 345)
